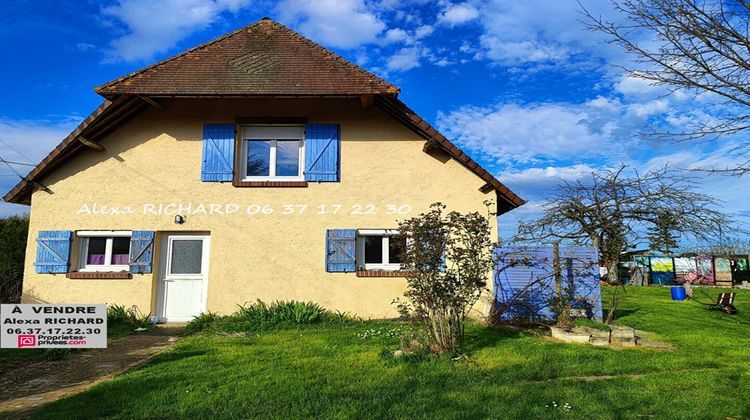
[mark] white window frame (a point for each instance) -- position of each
(83, 250)
(386, 265)
(273, 133)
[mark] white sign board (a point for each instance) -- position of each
(53, 326)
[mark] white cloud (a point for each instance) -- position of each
(405, 59)
(730, 190)
(401, 36)
(605, 130)
(443, 62)
(423, 31)
(536, 183)
(533, 175)
(512, 133)
(155, 26)
(636, 87)
(542, 31)
(457, 14)
(647, 109)
(84, 46)
(334, 23)
(467, 48)
(395, 35)
(517, 52)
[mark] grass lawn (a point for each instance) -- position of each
(332, 371)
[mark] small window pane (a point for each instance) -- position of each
(396, 245)
(120, 251)
(287, 158)
(96, 250)
(187, 256)
(258, 158)
(373, 249)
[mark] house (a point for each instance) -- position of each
(259, 165)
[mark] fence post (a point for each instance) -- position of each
(556, 268)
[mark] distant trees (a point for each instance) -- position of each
(724, 247)
(661, 236)
(702, 46)
(13, 233)
(616, 208)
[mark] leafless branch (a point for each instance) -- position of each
(701, 46)
(616, 208)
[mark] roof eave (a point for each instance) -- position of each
(100, 123)
(112, 95)
(420, 126)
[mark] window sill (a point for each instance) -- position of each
(270, 184)
(381, 273)
(79, 275)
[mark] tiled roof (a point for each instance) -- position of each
(264, 59)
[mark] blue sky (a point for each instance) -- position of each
(520, 85)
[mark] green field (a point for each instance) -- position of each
(340, 371)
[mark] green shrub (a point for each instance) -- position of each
(291, 312)
(339, 317)
(200, 323)
(13, 233)
(258, 311)
(298, 312)
(131, 317)
(116, 314)
(262, 316)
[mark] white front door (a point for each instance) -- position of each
(184, 277)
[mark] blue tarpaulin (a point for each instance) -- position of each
(525, 283)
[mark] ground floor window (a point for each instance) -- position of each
(379, 249)
(104, 250)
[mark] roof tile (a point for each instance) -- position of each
(265, 58)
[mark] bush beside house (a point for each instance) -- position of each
(13, 233)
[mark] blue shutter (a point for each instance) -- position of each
(340, 246)
(218, 153)
(322, 144)
(53, 251)
(141, 251)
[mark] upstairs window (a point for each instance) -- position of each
(379, 249)
(104, 251)
(273, 153)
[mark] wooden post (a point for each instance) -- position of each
(563, 305)
(556, 267)
(366, 100)
(151, 102)
(92, 144)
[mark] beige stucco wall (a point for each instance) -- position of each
(156, 158)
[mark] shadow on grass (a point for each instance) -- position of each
(483, 337)
(621, 312)
(174, 356)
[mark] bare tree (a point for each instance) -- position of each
(614, 209)
(723, 247)
(700, 46)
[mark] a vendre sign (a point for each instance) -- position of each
(53, 326)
